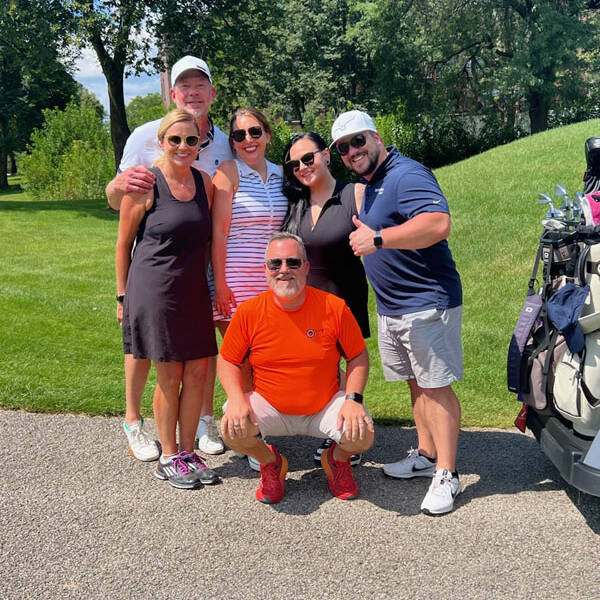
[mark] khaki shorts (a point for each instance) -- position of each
(425, 346)
(322, 424)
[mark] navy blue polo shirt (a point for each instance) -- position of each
(407, 281)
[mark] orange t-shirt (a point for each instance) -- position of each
(294, 354)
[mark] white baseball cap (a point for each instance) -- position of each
(185, 64)
(351, 122)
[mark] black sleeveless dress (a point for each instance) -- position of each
(167, 313)
(333, 266)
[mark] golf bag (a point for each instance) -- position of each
(554, 355)
(590, 202)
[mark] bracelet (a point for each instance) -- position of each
(120, 298)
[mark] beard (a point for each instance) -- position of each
(372, 160)
(291, 287)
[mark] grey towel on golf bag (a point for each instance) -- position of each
(517, 380)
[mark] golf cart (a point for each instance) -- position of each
(554, 355)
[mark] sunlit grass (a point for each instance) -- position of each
(61, 345)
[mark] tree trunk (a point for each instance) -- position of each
(119, 130)
(13, 164)
(3, 169)
(538, 111)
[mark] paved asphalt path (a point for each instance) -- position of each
(79, 518)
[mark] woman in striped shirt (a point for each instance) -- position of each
(249, 206)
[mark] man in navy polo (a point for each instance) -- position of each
(401, 231)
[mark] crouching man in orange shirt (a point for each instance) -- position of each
(294, 336)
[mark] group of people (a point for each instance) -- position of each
(212, 235)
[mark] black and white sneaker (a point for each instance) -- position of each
(354, 459)
(414, 465)
(178, 473)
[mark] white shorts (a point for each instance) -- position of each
(425, 346)
(322, 424)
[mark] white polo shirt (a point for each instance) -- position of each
(142, 148)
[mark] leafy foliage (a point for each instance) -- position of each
(32, 73)
(142, 109)
(70, 155)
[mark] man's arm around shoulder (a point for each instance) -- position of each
(133, 180)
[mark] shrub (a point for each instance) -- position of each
(70, 156)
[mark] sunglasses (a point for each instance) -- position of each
(358, 141)
(274, 264)
(306, 159)
(239, 135)
(190, 140)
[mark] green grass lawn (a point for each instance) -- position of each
(61, 345)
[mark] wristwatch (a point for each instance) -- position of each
(355, 396)
(120, 298)
(378, 240)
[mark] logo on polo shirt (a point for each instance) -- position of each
(311, 333)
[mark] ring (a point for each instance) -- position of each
(236, 425)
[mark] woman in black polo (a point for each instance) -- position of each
(320, 212)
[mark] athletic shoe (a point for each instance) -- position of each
(207, 437)
(354, 459)
(141, 446)
(339, 475)
(272, 479)
(204, 475)
(178, 473)
(414, 465)
(442, 491)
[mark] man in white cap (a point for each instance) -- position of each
(401, 231)
(193, 91)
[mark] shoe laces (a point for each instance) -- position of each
(269, 477)
(342, 473)
(441, 478)
(412, 452)
(141, 436)
(194, 461)
(181, 465)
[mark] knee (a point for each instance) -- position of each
(443, 395)
(358, 446)
(194, 373)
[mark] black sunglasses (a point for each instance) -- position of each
(358, 141)
(274, 264)
(190, 140)
(239, 135)
(307, 159)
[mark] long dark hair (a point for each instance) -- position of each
(298, 195)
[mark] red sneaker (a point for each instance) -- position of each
(272, 479)
(339, 474)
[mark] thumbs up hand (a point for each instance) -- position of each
(361, 240)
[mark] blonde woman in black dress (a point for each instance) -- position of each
(320, 212)
(167, 314)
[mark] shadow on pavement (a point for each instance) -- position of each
(490, 463)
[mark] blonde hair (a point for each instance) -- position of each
(175, 116)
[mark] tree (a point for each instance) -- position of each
(121, 34)
(142, 109)
(32, 76)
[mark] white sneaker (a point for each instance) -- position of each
(207, 436)
(439, 498)
(253, 464)
(414, 465)
(141, 446)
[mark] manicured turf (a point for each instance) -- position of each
(61, 345)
